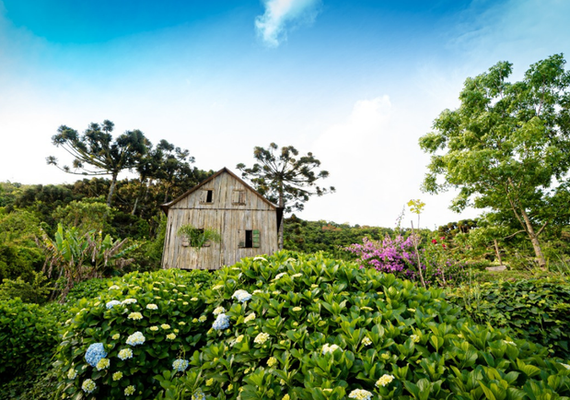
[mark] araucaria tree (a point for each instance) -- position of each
(284, 178)
(96, 153)
(507, 147)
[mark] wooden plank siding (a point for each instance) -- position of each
(234, 209)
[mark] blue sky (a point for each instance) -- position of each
(357, 83)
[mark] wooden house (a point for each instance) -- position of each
(246, 221)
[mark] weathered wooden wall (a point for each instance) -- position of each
(231, 214)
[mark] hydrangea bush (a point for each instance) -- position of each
(320, 329)
(292, 327)
(139, 326)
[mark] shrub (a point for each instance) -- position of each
(321, 329)
(537, 310)
(76, 256)
(159, 310)
(399, 257)
(299, 327)
(28, 338)
(35, 291)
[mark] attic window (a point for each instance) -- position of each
(251, 239)
(207, 196)
(238, 197)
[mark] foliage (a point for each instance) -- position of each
(197, 238)
(19, 255)
(86, 215)
(537, 310)
(170, 165)
(95, 152)
(320, 329)
(35, 291)
(28, 337)
(148, 256)
(505, 148)
(89, 289)
(76, 257)
(163, 306)
(327, 236)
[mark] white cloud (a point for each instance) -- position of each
(281, 15)
(376, 165)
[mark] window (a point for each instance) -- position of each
(207, 196)
(238, 197)
(251, 239)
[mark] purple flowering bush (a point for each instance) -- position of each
(395, 256)
(398, 256)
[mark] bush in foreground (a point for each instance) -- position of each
(294, 327)
(533, 309)
(132, 331)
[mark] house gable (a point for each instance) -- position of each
(223, 190)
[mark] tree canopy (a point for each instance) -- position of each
(96, 153)
(284, 178)
(506, 148)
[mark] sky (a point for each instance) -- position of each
(356, 83)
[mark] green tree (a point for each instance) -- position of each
(506, 147)
(96, 153)
(284, 178)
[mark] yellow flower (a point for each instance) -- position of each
(103, 363)
(210, 382)
(250, 317)
(272, 361)
(415, 338)
(135, 316)
(129, 390)
(171, 336)
(385, 356)
(261, 338)
(115, 336)
(165, 326)
(153, 328)
(366, 341)
(117, 376)
(384, 380)
(286, 397)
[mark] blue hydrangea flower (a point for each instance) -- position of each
(95, 353)
(180, 365)
(112, 304)
(199, 395)
(221, 322)
(242, 295)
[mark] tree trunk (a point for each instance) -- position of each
(498, 252)
(112, 189)
(534, 240)
(281, 204)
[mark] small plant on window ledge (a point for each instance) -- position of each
(198, 238)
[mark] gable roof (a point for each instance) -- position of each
(165, 207)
